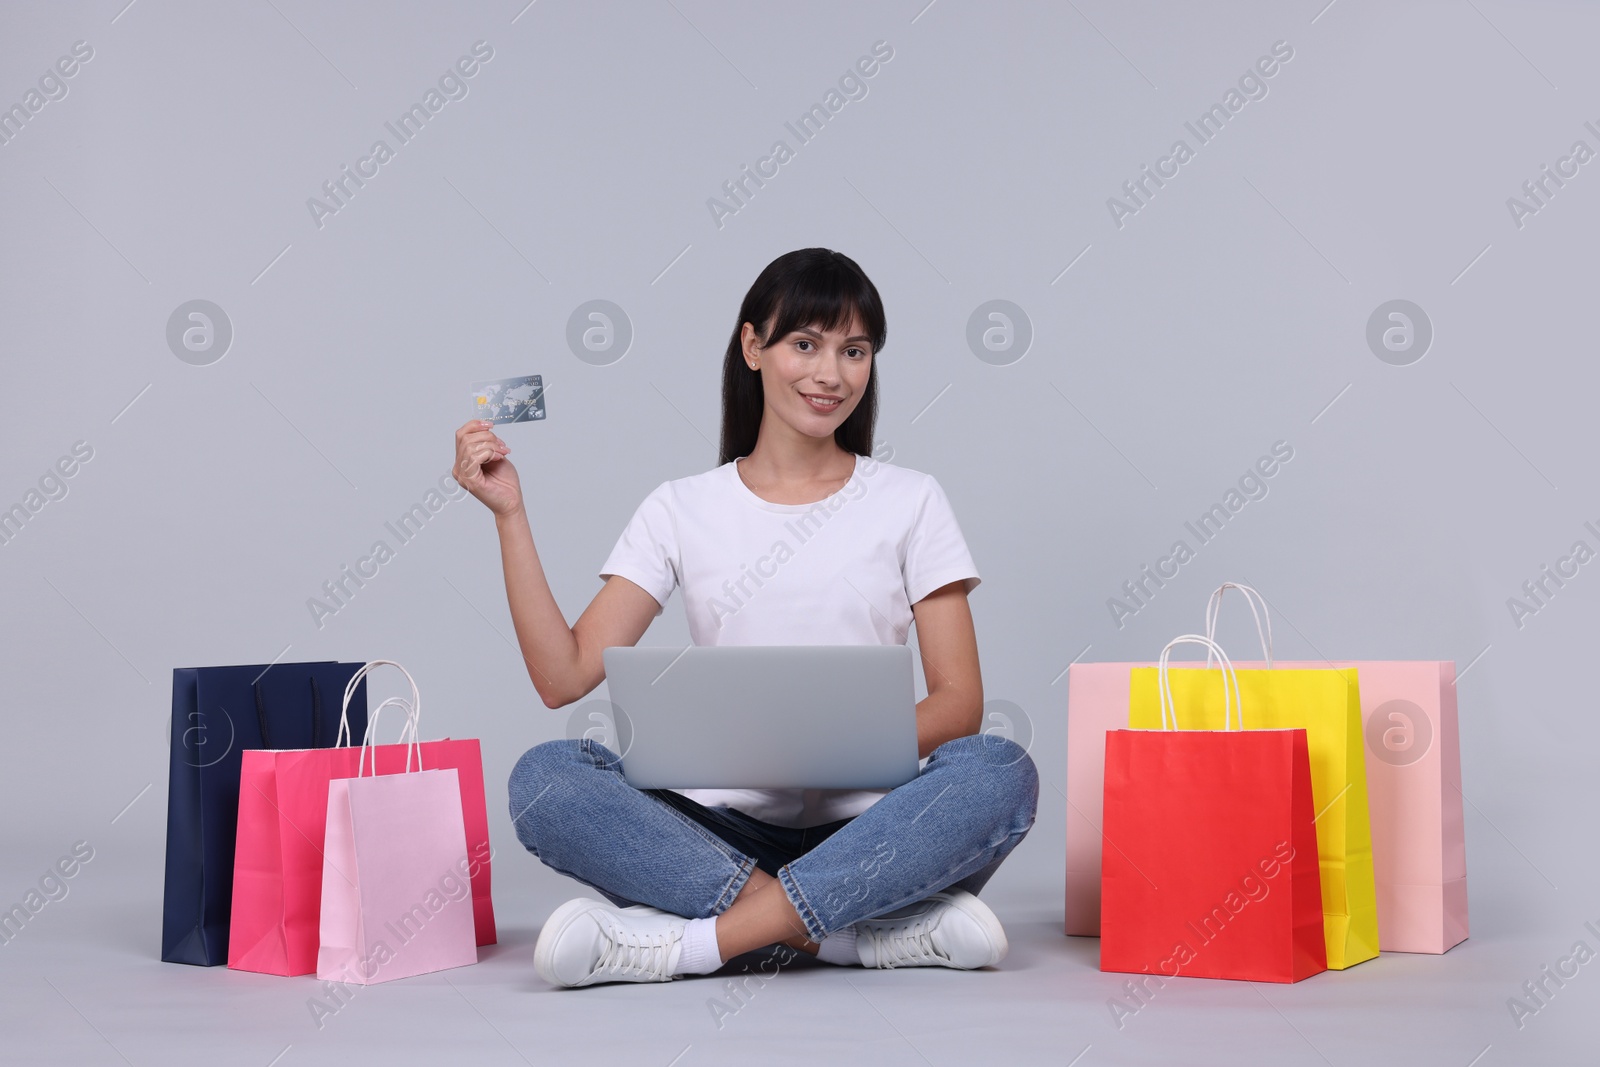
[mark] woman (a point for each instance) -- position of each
(798, 537)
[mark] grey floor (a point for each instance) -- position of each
(81, 984)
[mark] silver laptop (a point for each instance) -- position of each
(764, 716)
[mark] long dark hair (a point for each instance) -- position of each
(814, 287)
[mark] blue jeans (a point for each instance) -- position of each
(949, 828)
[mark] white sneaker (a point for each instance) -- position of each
(953, 929)
(588, 941)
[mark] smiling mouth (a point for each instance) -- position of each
(820, 404)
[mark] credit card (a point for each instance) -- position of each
(510, 399)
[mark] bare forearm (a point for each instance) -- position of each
(548, 646)
(945, 716)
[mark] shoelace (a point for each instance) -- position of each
(646, 955)
(907, 944)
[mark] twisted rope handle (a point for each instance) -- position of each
(1214, 608)
(1169, 713)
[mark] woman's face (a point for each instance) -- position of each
(813, 378)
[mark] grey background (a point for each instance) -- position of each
(1229, 313)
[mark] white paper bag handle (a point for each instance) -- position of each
(1214, 608)
(1168, 712)
(408, 732)
(414, 706)
(408, 736)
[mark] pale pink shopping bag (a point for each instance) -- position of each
(1419, 852)
(1413, 764)
(1097, 701)
(396, 890)
(1409, 721)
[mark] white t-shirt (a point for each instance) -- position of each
(839, 571)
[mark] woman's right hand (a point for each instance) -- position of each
(482, 469)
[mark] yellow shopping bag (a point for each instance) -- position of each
(1327, 704)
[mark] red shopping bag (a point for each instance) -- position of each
(283, 812)
(1210, 862)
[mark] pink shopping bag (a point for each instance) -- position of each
(396, 894)
(1097, 702)
(283, 810)
(1419, 853)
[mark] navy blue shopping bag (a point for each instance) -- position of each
(217, 713)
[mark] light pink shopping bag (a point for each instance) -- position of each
(1097, 701)
(1419, 854)
(396, 883)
